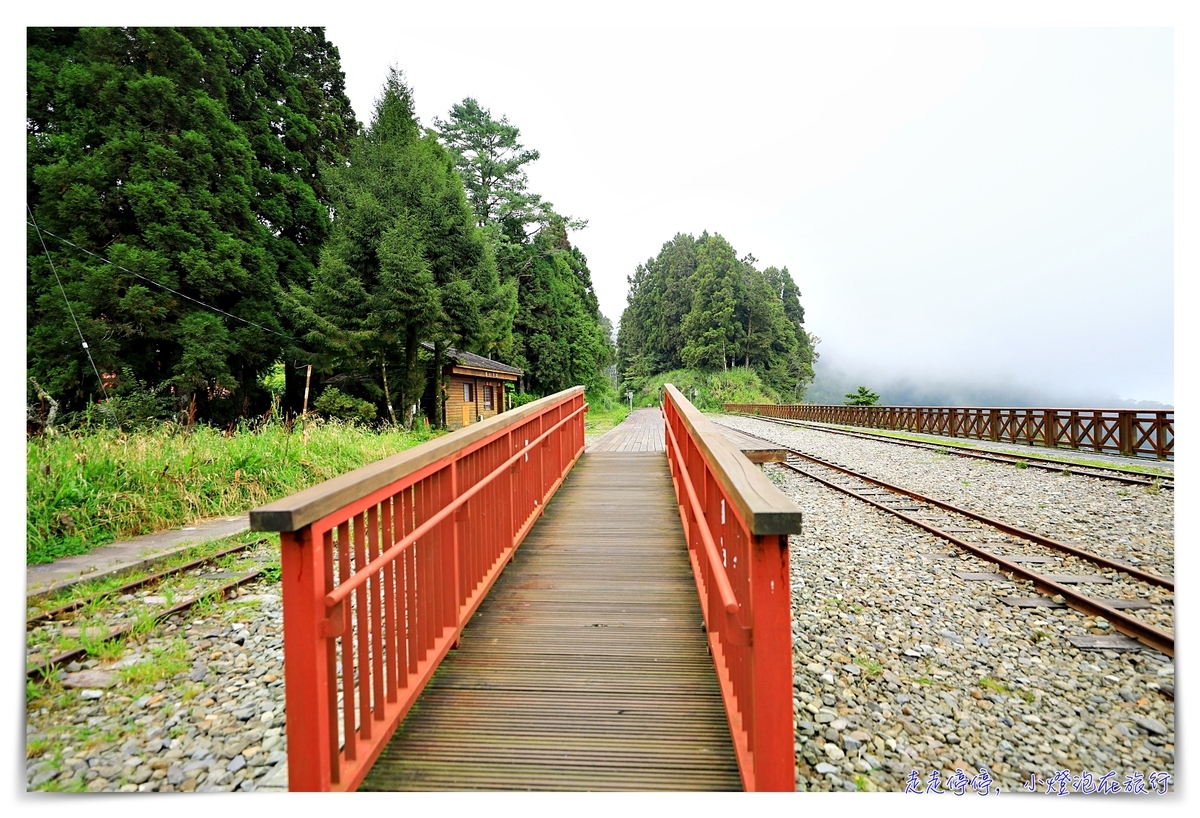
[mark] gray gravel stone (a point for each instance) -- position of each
(171, 741)
(950, 675)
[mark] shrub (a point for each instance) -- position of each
(863, 397)
(708, 391)
(334, 403)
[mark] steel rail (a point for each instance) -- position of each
(1137, 573)
(71, 607)
(42, 671)
(373, 567)
(1031, 460)
(1148, 635)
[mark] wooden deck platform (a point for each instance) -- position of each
(642, 431)
(586, 667)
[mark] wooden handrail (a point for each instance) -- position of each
(304, 507)
(760, 503)
(383, 567)
(736, 522)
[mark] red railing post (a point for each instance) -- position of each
(417, 538)
(304, 587)
(774, 739)
(734, 521)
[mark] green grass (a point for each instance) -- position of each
(164, 662)
(88, 489)
(708, 391)
(988, 683)
(869, 665)
(598, 421)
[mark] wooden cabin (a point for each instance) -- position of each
(475, 387)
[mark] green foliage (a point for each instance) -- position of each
(698, 306)
(862, 397)
(522, 398)
(134, 404)
(405, 263)
(87, 489)
(708, 391)
(558, 335)
(492, 164)
(189, 156)
(333, 403)
(274, 381)
(600, 420)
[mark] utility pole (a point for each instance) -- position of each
(307, 381)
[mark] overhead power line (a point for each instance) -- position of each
(82, 340)
(70, 243)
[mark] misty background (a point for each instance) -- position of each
(973, 215)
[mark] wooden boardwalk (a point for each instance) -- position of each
(642, 431)
(586, 667)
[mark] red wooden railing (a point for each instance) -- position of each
(736, 523)
(1128, 432)
(384, 566)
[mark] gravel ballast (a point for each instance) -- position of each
(216, 725)
(901, 666)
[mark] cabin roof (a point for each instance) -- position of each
(469, 360)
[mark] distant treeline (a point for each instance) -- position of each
(251, 221)
(697, 306)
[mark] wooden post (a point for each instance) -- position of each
(1125, 433)
(304, 645)
(307, 381)
(774, 726)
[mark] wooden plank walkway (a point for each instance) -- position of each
(642, 431)
(586, 668)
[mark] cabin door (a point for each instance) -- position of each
(467, 407)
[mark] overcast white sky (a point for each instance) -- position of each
(971, 203)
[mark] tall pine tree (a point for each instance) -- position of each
(405, 264)
(557, 336)
(189, 157)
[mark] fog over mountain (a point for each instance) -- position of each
(833, 381)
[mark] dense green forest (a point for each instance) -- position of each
(697, 306)
(211, 212)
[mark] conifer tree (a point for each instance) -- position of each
(696, 305)
(557, 337)
(405, 264)
(188, 157)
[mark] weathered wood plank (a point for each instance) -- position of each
(755, 449)
(586, 668)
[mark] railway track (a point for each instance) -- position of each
(72, 632)
(1033, 461)
(1013, 549)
